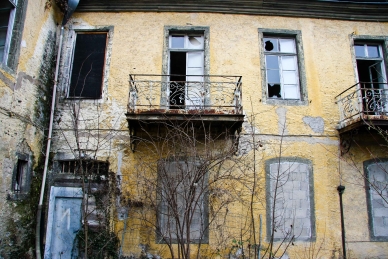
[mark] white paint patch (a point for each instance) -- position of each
(317, 124)
(282, 120)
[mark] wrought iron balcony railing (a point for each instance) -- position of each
(363, 101)
(205, 94)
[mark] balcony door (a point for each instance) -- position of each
(372, 77)
(186, 69)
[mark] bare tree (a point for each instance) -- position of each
(81, 135)
(184, 182)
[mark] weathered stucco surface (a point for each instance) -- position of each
(23, 104)
(300, 131)
(135, 46)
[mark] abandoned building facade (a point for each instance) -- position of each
(225, 129)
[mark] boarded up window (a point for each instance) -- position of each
(88, 65)
(290, 185)
(377, 184)
(182, 211)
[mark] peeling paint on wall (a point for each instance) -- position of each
(317, 124)
(282, 120)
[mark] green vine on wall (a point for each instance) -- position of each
(62, 4)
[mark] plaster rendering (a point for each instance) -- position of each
(196, 106)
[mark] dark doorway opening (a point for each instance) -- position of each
(177, 79)
(370, 77)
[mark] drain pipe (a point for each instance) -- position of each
(341, 190)
(71, 6)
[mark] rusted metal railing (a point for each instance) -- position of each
(362, 100)
(211, 94)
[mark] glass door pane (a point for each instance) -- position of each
(195, 90)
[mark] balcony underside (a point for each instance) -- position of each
(149, 123)
(363, 122)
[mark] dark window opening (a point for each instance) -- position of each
(177, 79)
(89, 167)
(186, 69)
(5, 13)
(274, 90)
(88, 66)
(372, 78)
(21, 173)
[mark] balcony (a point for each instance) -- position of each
(204, 100)
(363, 104)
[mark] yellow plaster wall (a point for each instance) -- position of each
(137, 47)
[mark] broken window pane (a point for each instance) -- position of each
(195, 42)
(177, 42)
(274, 90)
(271, 44)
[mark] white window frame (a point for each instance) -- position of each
(367, 57)
(194, 87)
(9, 31)
(282, 71)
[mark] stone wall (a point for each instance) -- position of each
(25, 84)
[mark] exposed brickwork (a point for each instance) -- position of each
(379, 208)
(289, 185)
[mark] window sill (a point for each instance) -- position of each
(288, 102)
(82, 98)
(17, 196)
(7, 71)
